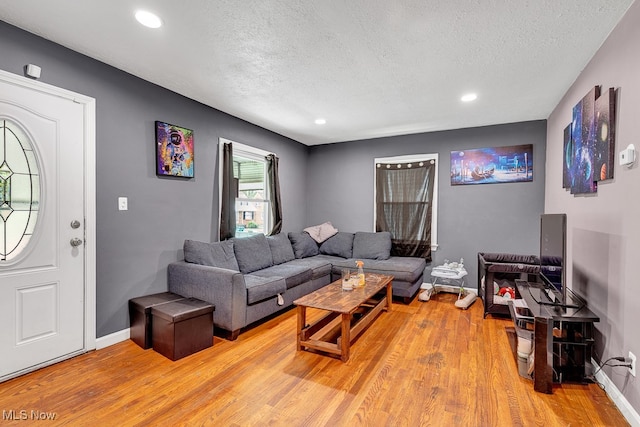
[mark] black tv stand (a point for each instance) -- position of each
(559, 304)
(562, 337)
(540, 294)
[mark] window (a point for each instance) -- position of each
(19, 191)
(252, 195)
(252, 203)
(406, 198)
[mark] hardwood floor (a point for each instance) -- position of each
(423, 364)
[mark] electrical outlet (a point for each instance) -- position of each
(632, 369)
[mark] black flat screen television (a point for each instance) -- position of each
(553, 255)
(553, 231)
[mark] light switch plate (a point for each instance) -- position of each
(123, 204)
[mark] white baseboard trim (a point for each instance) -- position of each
(629, 413)
(112, 339)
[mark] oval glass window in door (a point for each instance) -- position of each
(19, 190)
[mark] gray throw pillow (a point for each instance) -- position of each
(281, 250)
(303, 245)
(216, 254)
(253, 253)
(372, 245)
(340, 244)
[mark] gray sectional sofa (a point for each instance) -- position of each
(251, 278)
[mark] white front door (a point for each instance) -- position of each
(43, 219)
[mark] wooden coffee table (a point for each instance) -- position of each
(350, 312)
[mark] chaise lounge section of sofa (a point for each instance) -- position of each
(374, 249)
(251, 278)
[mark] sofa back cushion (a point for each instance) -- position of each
(281, 250)
(372, 245)
(303, 245)
(253, 253)
(216, 254)
(340, 244)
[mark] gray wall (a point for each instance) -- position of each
(604, 229)
(134, 247)
(471, 218)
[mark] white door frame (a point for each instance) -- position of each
(89, 167)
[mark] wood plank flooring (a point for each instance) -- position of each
(422, 364)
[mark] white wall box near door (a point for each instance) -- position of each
(47, 224)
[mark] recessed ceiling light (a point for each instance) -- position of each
(148, 19)
(469, 97)
(321, 121)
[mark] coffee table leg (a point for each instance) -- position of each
(389, 296)
(302, 319)
(346, 337)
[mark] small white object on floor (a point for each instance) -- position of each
(425, 295)
(465, 302)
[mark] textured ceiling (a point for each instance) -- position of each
(370, 68)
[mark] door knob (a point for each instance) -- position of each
(75, 242)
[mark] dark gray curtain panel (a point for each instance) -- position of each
(228, 205)
(274, 191)
(404, 195)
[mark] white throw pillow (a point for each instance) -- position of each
(321, 232)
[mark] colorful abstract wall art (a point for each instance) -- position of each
(605, 152)
(174, 151)
(492, 165)
(589, 142)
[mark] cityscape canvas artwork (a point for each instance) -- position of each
(492, 165)
(174, 151)
(589, 142)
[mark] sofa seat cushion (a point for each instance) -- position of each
(405, 269)
(260, 288)
(292, 274)
(216, 254)
(319, 265)
(252, 253)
